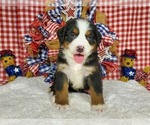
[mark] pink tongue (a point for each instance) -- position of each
(78, 58)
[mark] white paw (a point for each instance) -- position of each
(58, 106)
(61, 107)
(98, 108)
(52, 98)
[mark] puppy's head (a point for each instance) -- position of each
(80, 38)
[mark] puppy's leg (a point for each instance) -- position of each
(97, 101)
(61, 89)
(95, 85)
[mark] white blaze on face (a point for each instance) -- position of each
(80, 40)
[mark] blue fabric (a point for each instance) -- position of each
(55, 14)
(43, 31)
(104, 31)
(14, 71)
(128, 72)
(78, 8)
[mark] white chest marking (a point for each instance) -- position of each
(76, 74)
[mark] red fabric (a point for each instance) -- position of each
(131, 23)
(15, 19)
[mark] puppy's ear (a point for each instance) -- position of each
(61, 34)
(98, 37)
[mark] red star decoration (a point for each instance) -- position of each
(69, 12)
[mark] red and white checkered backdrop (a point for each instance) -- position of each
(130, 19)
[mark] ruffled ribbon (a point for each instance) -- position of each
(92, 10)
(53, 52)
(140, 75)
(105, 31)
(107, 41)
(107, 67)
(147, 86)
(108, 62)
(42, 29)
(36, 62)
(51, 73)
(55, 14)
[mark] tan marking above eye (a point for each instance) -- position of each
(75, 30)
(88, 33)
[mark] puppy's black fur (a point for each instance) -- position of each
(92, 81)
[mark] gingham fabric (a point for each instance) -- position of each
(15, 19)
(130, 19)
(132, 25)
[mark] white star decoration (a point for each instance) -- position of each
(16, 70)
(131, 73)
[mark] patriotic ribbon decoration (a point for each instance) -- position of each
(38, 25)
(40, 65)
(51, 72)
(111, 58)
(103, 53)
(55, 14)
(103, 70)
(45, 28)
(42, 56)
(92, 10)
(78, 8)
(140, 75)
(53, 52)
(147, 86)
(34, 68)
(107, 41)
(108, 67)
(105, 31)
(44, 68)
(52, 28)
(28, 38)
(43, 31)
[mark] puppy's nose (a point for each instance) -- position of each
(80, 49)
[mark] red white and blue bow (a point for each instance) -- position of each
(51, 73)
(141, 75)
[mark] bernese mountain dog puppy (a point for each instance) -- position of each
(77, 64)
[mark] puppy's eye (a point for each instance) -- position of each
(72, 35)
(89, 38)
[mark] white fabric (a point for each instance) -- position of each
(29, 98)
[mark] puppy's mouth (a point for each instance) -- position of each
(78, 58)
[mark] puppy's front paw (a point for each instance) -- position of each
(59, 106)
(98, 108)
